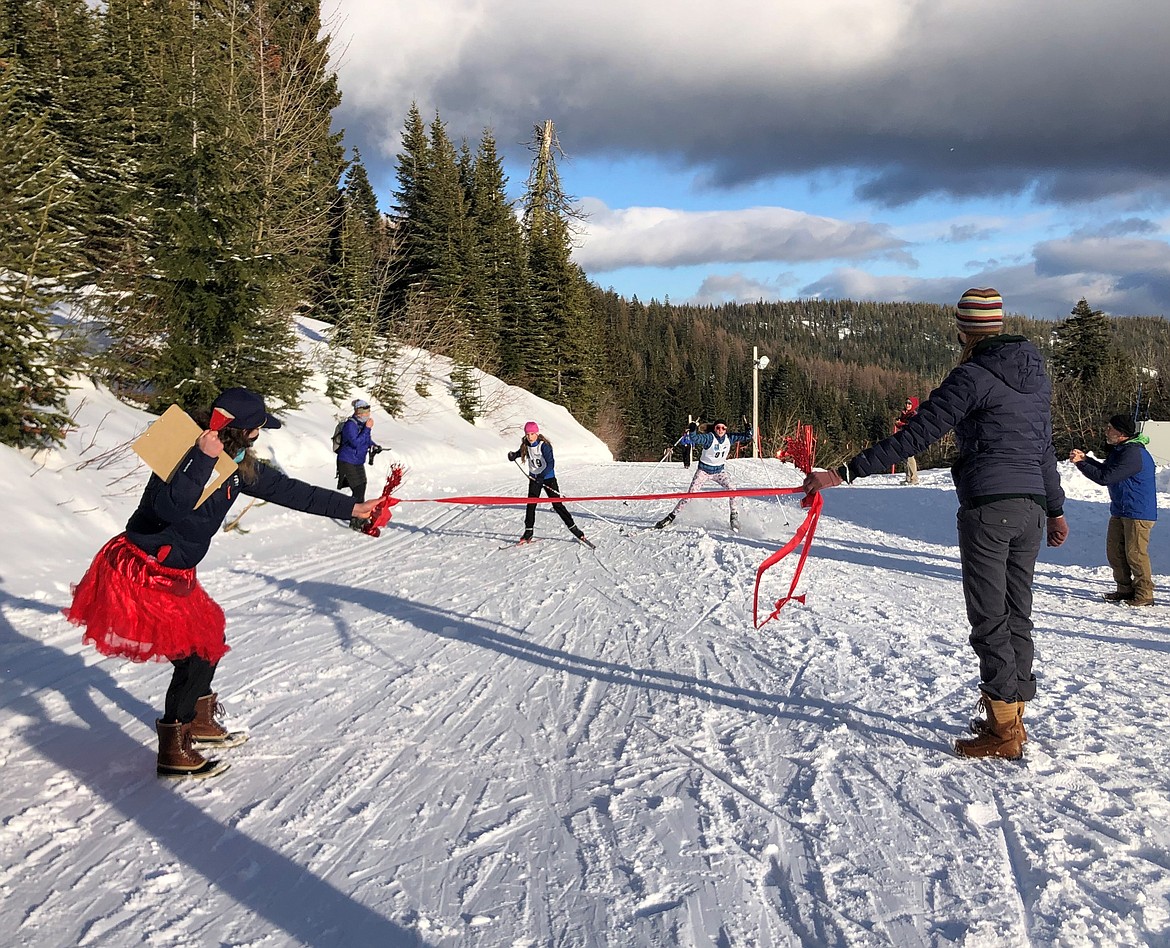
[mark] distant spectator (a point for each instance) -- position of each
(908, 412)
(1128, 473)
(357, 447)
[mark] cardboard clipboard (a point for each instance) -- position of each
(166, 442)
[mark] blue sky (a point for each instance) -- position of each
(875, 149)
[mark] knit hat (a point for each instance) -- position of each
(531, 427)
(360, 404)
(240, 408)
(1124, 424)
(980, 309)
(717, 422)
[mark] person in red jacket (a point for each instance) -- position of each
(908, 412)
(140, 598)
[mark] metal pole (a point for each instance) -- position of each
(755, 401)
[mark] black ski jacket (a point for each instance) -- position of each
(167, 524)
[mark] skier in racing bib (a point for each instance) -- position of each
(715, 447)
(536, 451)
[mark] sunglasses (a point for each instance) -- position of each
(721, 427)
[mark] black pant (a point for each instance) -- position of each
(352, 476)
(190, 681)
(998, 546)
(550, 487)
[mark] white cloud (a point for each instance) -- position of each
(666, 237)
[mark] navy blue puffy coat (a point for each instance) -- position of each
(998, 403)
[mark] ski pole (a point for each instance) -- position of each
(556, 493)
(650, 473)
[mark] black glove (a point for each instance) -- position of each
(375, 450)
(512, 455)
(692, 427)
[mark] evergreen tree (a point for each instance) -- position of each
(64, 81)
(1092, 377)
(38, 253)
(506, 308)
(561, 358)
(1083, 345)
(413, 174)
(199, 304)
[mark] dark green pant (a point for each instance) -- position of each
(998, 546)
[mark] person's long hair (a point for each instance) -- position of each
(974, 337)
(234, 439)
(525, 445)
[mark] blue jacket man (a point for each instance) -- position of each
(1128, 473)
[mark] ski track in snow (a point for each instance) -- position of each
(454, 744)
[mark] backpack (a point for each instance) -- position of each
(337, 436)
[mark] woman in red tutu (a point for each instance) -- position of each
(140, 598)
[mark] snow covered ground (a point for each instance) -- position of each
(458, 744)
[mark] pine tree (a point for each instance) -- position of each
(198, 303)
(413, 174)
(39, 251)
(559, 353)
(506, 307)
(1083, 345)
(65, 82)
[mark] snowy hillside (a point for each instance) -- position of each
(458, 744)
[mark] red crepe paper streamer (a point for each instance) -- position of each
(382, 513)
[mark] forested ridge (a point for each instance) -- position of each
(170, 181)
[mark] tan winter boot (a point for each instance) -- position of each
(176, 757)
(1004, 737)
(206, 731)
(980, 725)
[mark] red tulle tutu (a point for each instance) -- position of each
(134, 607)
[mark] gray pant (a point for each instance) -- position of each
(998, 546)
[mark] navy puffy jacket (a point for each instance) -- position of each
(998, 403)
(167, 516)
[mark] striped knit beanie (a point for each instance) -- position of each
(980, 309)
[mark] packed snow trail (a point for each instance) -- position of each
(454, 744)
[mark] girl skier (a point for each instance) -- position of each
(536, 450)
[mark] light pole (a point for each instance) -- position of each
(758, 362)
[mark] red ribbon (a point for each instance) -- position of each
(802, 538)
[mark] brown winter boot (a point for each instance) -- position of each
(980, 725)
(1004, 737)
(206, 731)
(176, 757)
